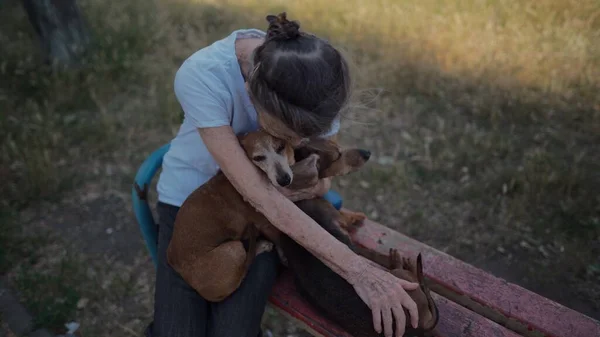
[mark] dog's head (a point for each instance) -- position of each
(428, 312)
(272, 155)
(333, 161)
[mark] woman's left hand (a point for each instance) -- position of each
(317, 190)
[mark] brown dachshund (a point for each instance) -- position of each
(334, 296)
(207, 249)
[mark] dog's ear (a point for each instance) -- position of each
(289, 153)
(328, 151)
(323, 145)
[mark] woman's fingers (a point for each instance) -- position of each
(388, 324)
(408, 285)
(400, 320)
(370, 299)
(376, 317)
(386, 295)
(411, 306)
(406, 301)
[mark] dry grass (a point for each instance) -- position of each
(486, 134)
(512, 84)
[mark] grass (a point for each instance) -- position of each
(49, 290)
(15, 246)
(521, 75)
(489, 112)
(506, 89)
(50, 297)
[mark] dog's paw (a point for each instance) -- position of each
(264, 246)
(395, 259)
(352, 220)
(408, 264)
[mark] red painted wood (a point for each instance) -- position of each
(542, 314)
(285, 297)
(454, 320)
(458, 321)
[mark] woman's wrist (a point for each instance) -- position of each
(354, 268)
(341, 259)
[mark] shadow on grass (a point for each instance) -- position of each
(52, 120)
(54, 123)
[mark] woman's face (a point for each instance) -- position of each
(278, 129)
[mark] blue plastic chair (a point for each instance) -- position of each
(139, 194)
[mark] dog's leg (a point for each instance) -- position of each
(251, 232)
(395, 259)
(218, 273)
(352, 220)
(381, 260)
(349, 221)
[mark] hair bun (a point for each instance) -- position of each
(281, 28)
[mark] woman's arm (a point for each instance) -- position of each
(382, 292)
(279, 210)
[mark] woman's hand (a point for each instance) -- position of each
(385, 294)
(380, 290)
(318, 190)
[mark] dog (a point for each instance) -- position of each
(333, 295)
(207, 249)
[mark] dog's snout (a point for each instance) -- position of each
(365, 154)
(284, 179)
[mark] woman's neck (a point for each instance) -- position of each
(243, 51)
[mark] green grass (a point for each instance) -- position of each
(51, 297)
(15, 245)
(48, 291)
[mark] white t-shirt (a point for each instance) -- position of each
(210, 88)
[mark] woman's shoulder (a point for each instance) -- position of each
(216, 62)
(221, 52)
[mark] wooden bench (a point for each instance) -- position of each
(472, 303)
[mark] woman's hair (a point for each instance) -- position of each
(299, 78)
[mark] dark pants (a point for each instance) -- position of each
(179, 311)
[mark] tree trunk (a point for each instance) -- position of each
(61, 29)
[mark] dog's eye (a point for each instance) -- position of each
(259, 158)
(280, 148)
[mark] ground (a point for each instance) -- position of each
(482, 118)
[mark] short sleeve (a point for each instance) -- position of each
(203, 95)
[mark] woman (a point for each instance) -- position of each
(293, 85)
